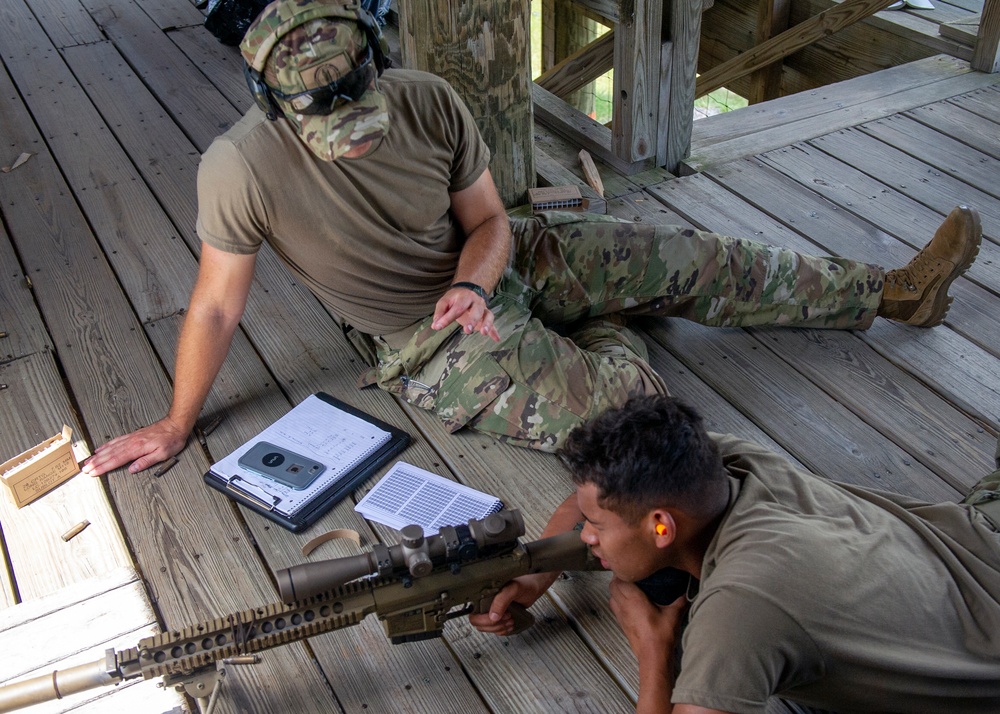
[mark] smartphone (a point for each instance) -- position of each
(281, 465)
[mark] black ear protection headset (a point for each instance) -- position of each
(254, 71)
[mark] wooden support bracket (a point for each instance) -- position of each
(791, 40)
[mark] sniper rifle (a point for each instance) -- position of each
(413, 587)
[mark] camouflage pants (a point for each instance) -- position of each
(565, 353)
(985, 495)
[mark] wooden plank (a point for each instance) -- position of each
(685, 34)
(789, 41)
(964, 30)
(971, 313)
(636, 100)
(729, 215)
(880, 203)
(892, 401)
(949, 155)
(125, 217)
(171, 15)
(33, 407)
(778, 112)
(66, 22)
(139, 696)
(974, 387)
(188, 566)
(19, 319)
(581, 130)
(987, 54)
(194, 103)
(985, 102)
(808, 128)
(772, 19)
(221, 64)
(580, 68)
(823, 434)
(978, 132)
(924, 183)
(104, 616)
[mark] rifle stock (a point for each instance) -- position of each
(414, 588)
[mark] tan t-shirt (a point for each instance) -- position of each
(842, 598)
(371, 237)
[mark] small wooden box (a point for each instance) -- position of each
(41, 468)
(556, 198)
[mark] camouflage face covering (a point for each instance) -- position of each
(316, 54)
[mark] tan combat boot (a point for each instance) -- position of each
(917, 294)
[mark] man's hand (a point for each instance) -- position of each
(651, 629)
(468, 309)
(144, 448)
(524, 590)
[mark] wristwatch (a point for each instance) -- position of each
(477, 289)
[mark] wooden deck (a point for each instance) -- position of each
(115, 100)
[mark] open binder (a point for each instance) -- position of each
(348, 442)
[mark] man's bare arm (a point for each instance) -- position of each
(480, 212)
(216, 306)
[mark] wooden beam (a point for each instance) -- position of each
(678, 70)
(636, 101)
(580, 68)
(481, 48)
(792, 40)
(986, 57)
(772, 19)
(583, 131)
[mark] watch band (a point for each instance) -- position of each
(477, 289)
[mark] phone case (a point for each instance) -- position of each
(281, 465)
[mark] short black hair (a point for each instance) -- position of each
(653, 452)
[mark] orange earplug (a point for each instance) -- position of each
(660, 529)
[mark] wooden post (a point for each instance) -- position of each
(986, 58)
(565, 30)
(482, 48)
(772, 19)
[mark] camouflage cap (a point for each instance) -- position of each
(306, 44)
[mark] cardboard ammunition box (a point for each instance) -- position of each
(556, 198)
(41, 468)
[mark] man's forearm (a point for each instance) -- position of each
(202, 348)
(486, 253)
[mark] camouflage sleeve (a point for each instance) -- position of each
(231, 215)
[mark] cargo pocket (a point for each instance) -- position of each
(457, 390)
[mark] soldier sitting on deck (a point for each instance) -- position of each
(374, 188)
(829, 595)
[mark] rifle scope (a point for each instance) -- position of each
(414, 556)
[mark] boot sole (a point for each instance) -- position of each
(941, 302)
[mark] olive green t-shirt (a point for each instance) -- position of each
(371, 237)
(842, 598)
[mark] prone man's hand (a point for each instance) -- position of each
(651, 629)
(468, 309)
(524, 591)
(144, 448)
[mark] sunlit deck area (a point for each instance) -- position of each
(115, 100)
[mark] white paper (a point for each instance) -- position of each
(314, 428)
(408, 494)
